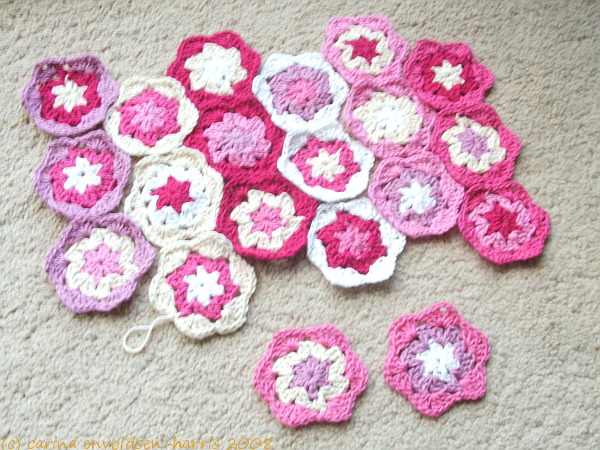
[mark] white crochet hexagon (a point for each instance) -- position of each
(167, 225)
(278, 63)
(187, 116)
(211, 245)
(380, 270)
(294, 142)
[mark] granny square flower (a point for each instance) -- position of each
(83, 176)
(310, 375)
(364, 48)
(416, 194)
(174, 196)
(151, 116)
(474, 145)
(68, 96)
(220, 66)
(352, 244)
(96, 264)
(326, 163)
(203, 286)
(265, 218)
(436, 359)
(502, 223)
(447, 75)
(388, 118)
(237, 137)
(300, 92)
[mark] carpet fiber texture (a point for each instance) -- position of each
(67, 376)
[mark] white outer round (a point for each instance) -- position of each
(294, 142)
(380, 270)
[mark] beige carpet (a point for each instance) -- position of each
(67, 376)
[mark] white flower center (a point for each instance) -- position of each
(202, 286)
(69, 95)
(416, 197)
(82, 175)
(216, 69)
(448, 75)
(326, 165)
(438, 361)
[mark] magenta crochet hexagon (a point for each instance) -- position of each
(447, 75)
(83, 176)
(265, 218)
(416, 195)
(502, 223)
(310, 375)
(388, 118)
(474, 145)
(436, 359)
(96, 264)
(237, 137)
(219, 66)
(68, 96)
(364, 48)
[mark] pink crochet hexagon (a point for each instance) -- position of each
(216, 66)
(68, 96)
(502, 223)
(447, 75)
(265, 218)
(310, 375)
(436, 359)
(416, 195)
(237, 137)
(364, 48)
(388, 117)
(474, 144)
(84, 176)
(98, 261)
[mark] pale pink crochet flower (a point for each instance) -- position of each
(436, 359)
(310, 375)
(238, 140)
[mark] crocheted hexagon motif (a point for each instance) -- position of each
(203, 285)
(326, 163)
(265, 218)
(84, 176)
(237, 137)
(352, 244)
(436, 359)
(220, 66)
(300, 92)
(388, 118)
(474, 145)
(151, 116)
(310, 375)
(174, 196)
(416, 194)
(364, 48)
(68, 96)
(502, 223)
(447, 75)
(96, 264)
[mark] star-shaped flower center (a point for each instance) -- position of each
(364, 48)
(326, 165)
(82, 175)
(312, 375)
(474, 144)
(102, 262)
(148, 116)
(353, 240)
(216, 69)
(266, 219)
(438, 361)
(174, 194)
(69, 95)
(501, 221)
(202, 286)
(416, 197)
(448, 75)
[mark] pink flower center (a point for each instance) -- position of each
(174, 194)
(501, 221)
(102, 262)
(311, 375)
(301, 91)
(353, 240)
(267, 219)
(365, 48)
